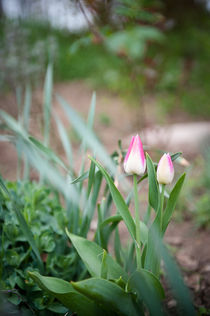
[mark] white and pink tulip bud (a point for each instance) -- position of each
(135, 162)
(165, 170)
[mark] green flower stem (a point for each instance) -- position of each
(137, 221)
(161, 206)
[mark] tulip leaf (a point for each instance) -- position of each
(148, 289)
(65, 140)
(48, 152)
(67, 295)
(172, 202)
(81, 178)
(108, 294)
(153, 185)
(83, 129)
(111, 219)
(91, 254)
(173, 275)
(119, 201)
(104, 268)
(176, 155)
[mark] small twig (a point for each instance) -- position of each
(92, 27)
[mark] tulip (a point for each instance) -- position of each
(165, 170)
(135, 162)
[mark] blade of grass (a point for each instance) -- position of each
(26, 118)
(90, 138)
(65, 141)
(47, 103)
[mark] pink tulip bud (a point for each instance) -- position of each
(165, 170)
(135, 162)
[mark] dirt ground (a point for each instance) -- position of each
(117, 119)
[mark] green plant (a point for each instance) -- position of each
(33, 214)
(113, 289)
(128, 284)
(196, 198)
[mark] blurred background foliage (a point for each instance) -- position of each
(131, 47)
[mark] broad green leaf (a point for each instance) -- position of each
(172, 202)
(152, 261)
(91, 254)
(148, 289)
(67, 295)
(111, 296)
(153, 185)
(118, 200)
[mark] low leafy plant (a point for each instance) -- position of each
(46, 219)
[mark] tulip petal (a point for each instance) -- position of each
(135, 162)
(165, 170)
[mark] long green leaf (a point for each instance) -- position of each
(48, 152)
(118, 200)
(67, 295)
(109, 295)
(82, 129)
(172, 202)
(118, 218)
(65, 141)
(148, 289)
(91, 204)
(181, 292)
(27, 108)
(49, 172)
(91, 254)
(47, 103)
(111, 219)
(13, 125)
(104, 267)
(81, 178)
(153, 185)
